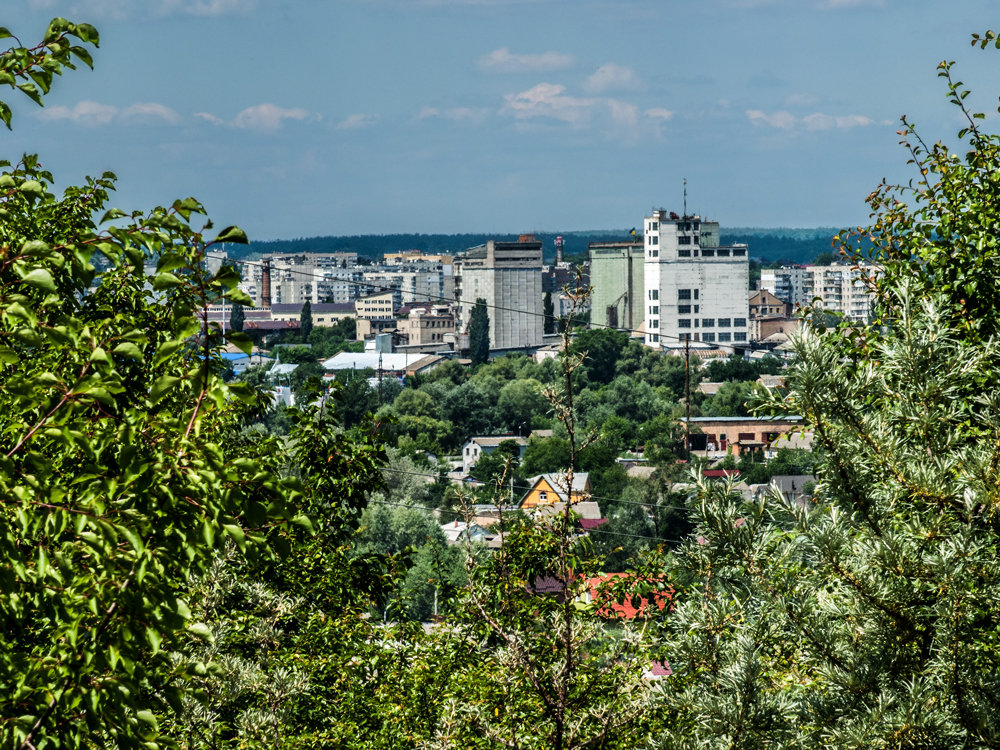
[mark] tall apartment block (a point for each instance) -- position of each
(695, 288)
(508, 275)
(839, 288)
(617, 277)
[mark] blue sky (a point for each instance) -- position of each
(299, 118)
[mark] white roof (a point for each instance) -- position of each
(370, 360)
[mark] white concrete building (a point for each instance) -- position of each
(508, 275)
(695, 288)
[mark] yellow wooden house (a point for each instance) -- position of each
(549, 489)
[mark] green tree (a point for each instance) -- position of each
(601, 348)
(125, 468)
(479, 333)
(549, 311)
(236, 318)
(305, 321)
(730, 400)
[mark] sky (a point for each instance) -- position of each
(300, 118)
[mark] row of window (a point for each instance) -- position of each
(710, 337)
(713, 323)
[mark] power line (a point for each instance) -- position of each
(617, 501)
(417, 506)
(459, 301)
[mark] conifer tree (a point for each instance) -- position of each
(237, 318)
(869, 617)
(306, 321)
(479, 333)
(548, 309)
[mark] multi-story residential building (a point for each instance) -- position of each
(835, 288)
(617, 278)
(508, 276)
(696, 289)
(375, 314)
(426, 324)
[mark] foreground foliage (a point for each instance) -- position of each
(123, 472)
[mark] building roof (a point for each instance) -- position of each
(282, 369)
(492, 441)
(319, 307)
(602, 590)
(558, 483)
(270, 325)
(394, 361)
(745, 420)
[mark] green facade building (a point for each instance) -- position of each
(616, 275)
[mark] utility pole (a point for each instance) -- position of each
(687, 397)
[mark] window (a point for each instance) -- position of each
(683, 240)
(654, 309)
(654, 293)
(724, 337)
(695, 322)
(683, 253)
(724, 323)
(543, 496)
(708, 337)
(739, 322)
(653, 226)
(722, 252)
(684, 337)
(708, 322)
(684, 322)
(654, 253)
(746, 436)
(696, 225)
(683, 294)
(696, 308)
(739, 252)
(683, 309)
(739, 336)
(654, 338)
(706, 252)
(654, 239)
(654, 323)
(696, 294)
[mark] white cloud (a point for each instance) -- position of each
(547, 100)
(504, 61)
(92, 114)
(208, 7)
(623, 113)
(125, 9)
(783, 120)
(210, 118)
(357, 121)
(457, 114)
(145, 111)
(659, 113)
(267, 117)
(612, 77)
(83, 113)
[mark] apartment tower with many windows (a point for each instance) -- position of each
(696, 289)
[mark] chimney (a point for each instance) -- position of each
(265, 283)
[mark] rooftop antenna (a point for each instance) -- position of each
(685, 197)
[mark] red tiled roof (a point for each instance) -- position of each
(592, 523)
(605, 589)
(716, 473)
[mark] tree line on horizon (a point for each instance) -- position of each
(778, 245)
